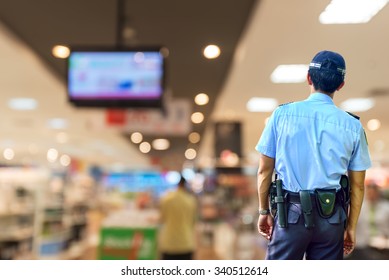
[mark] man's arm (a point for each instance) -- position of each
(357, 185)
(265, 172)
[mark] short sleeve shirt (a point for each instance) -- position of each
(314, 143)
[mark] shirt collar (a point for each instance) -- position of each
(317, 96)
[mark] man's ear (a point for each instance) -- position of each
(341, 85)
(309, 79)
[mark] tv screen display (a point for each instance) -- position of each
(116, 78)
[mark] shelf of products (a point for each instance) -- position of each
(18, 193)
(43, 215)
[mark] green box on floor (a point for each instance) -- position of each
(128, 244)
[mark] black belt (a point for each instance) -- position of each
(294, 197)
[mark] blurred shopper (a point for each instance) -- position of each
(178, 217)
(311, 144)
(373, 227)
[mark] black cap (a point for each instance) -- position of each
(329, 61)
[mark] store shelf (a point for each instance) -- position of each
(17, 235)
(43, 215)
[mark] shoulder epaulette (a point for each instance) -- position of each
(351, 114)
(285, 104)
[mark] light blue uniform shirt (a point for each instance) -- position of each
(314, 143)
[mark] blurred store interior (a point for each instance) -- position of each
(80, 182)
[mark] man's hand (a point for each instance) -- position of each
(265, 226)
(349, 241)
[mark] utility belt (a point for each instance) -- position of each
(294, 197)
(323, 200)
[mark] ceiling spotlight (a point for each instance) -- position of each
(136, 137)
(194, 137)
(65, 160)
(197, 117)
(60, 51)
(357, 104)
(190, 154)
(22, 104)
(351, 11)
(201, 99)
(261, 104)
(289, 73)
(145, 147)
(211, 51)
(52, 155)
(373, 124)
(161, 144)
(8, 154)
(57, 123)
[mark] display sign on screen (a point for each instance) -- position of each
(116, 78)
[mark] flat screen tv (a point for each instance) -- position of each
(110, 78)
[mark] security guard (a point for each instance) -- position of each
(310, 144)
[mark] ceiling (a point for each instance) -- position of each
(289, 32)
(184, 28)
(254, 36)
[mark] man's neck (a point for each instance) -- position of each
(313, 90)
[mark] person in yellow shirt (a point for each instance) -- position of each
(178, 217)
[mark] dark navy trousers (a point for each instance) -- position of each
(323, 242)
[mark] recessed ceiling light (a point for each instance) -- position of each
(57, 123)
(9, 154)
(211, 51)
(145, 147)
(190, 154)
(373, 124)
(357, 104)
(160, 144)
(52, 155)
(194, 137)
(197, 117)
(60, 51)
(201, 99)
(291, 73)
(261, 104)
(22, 104)
(136, 137)
(65, 160)
(351, 11)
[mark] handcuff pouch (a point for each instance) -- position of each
(325, 200)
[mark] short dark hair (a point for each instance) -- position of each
(327, 70)
(325, 81)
